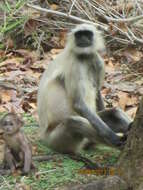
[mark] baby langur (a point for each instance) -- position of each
(70, 105)
(17, 152)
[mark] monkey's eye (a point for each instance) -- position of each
(5, 123)
(10, 123)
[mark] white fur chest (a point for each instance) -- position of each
(89, 88)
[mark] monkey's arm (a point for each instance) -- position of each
(8, 159)
(102, 129)
(27, 154)
(99, 79)
(77, 94)
(99, 101)
(27, 159)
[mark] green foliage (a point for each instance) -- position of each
(17, 23)
(12, 19)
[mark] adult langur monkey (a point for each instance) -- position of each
(70, 105)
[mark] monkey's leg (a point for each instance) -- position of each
(68, 136)
(116, 119)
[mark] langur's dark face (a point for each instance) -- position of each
(83, 38)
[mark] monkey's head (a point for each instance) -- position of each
(10, 123)
(85, 39)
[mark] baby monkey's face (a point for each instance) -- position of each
(10, 124)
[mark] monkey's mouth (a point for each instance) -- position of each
(83, 45)
(8, 131)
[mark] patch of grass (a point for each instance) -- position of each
(29, 120)
(18, 29)
(13, 21)
(57, 172)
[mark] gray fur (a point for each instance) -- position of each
(68, 91)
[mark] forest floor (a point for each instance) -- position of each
(60, 171)
(20, 72)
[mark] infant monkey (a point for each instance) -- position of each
(17, 152)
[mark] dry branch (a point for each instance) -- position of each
(66, 15)
(126, 23)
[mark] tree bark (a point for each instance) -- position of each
(131, 160)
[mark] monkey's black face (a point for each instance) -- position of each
(83, 38)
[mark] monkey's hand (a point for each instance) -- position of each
(130, 126)
(33, 169)
(25, 172)
(123, 140)
(123, 137)
(26, 169)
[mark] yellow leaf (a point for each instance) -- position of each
(54, 6)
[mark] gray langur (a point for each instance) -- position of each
(70, 106)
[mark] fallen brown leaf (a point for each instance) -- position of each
(123, 99)
(132, 112)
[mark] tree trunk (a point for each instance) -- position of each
(131, 160)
